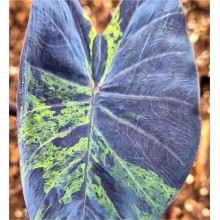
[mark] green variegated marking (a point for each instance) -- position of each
(145, 183)
(34, 129)
(92, 35)
(85, 16)
(112, 35)
(65, 91)
(97, 193)
(56, 163)
(73, 183)
(62, 168)
(41, 211)
(37, 113)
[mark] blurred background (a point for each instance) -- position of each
(192, 202)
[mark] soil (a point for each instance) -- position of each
(192, 202)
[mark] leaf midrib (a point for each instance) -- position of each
(88, 152)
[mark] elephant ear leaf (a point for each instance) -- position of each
(108, 125)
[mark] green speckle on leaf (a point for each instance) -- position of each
(97, 193)
(112, 35)
(57, 164)
(92, 35)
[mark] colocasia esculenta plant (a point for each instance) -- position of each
(108, 124)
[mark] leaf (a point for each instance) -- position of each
(108, 125)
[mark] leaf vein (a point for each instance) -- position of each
(124, 71)
(141, 132)
(141, 97)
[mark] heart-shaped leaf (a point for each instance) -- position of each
(108, 124)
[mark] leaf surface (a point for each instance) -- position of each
(108, 125)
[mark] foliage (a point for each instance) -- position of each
(108, 124)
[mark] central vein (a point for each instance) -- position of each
(89, 143)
